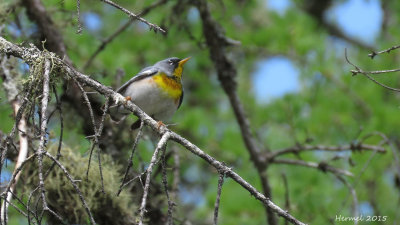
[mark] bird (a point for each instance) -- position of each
(157, 90)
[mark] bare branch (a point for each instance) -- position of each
(78, 15)
(358, 70)
(134, 16)
(219, 190)
(121, 29)
(8, 190)
(130, 162)
(353, 193)
(230, 173)
(60, 138)
(324, 167)
(303, 148)
(374, 72)
(73, 182)
(161, 145)
(165, 184)
(41, 151)
(29, 55)
(287, 199)
(373, 53)
(226, 71)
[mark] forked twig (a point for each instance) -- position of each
(161, 144)
(358, 70)
(373, 54)
(130, 161)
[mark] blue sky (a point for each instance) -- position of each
(360, 19)
(274, 77)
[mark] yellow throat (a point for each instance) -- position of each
(172, 85)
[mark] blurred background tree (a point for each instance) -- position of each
(292, 80)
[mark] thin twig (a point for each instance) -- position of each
(60, 138)
(96, 133)
(303, 148)
(10, 184)
(287, 200)
(134, 16)
(324, 167)
(161, 144)
(130, 161)
(218, 199)
(121, 29)
(358, 70)
(373, 53)
(227, 73)
(374, 72)
(165, 184)
(78, 15)
(353, 193)
(175, 171)
(28, 204)
(73, 182)
(230, 173)
(41, 150)
(30, 55)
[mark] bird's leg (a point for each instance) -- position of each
(159, 124)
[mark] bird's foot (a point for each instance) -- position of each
(159, 124)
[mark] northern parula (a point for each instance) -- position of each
(157, 90)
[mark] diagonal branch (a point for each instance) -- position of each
(30, 55)
(121, 29)
(134, 16)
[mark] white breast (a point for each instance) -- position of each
(151, 99)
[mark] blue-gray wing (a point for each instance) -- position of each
(146, 72)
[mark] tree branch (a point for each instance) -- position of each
(226, 71)
(323, 166)
(54, 40)
(373, 53)
(161, 145)
(121, 29)
(30, 55)
(134, 16)
(304, 148)
(358, 70)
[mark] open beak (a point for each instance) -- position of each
(183, 61)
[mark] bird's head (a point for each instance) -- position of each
(172, 66)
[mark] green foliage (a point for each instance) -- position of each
(329, 109)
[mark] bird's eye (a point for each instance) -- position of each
(170, 62)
